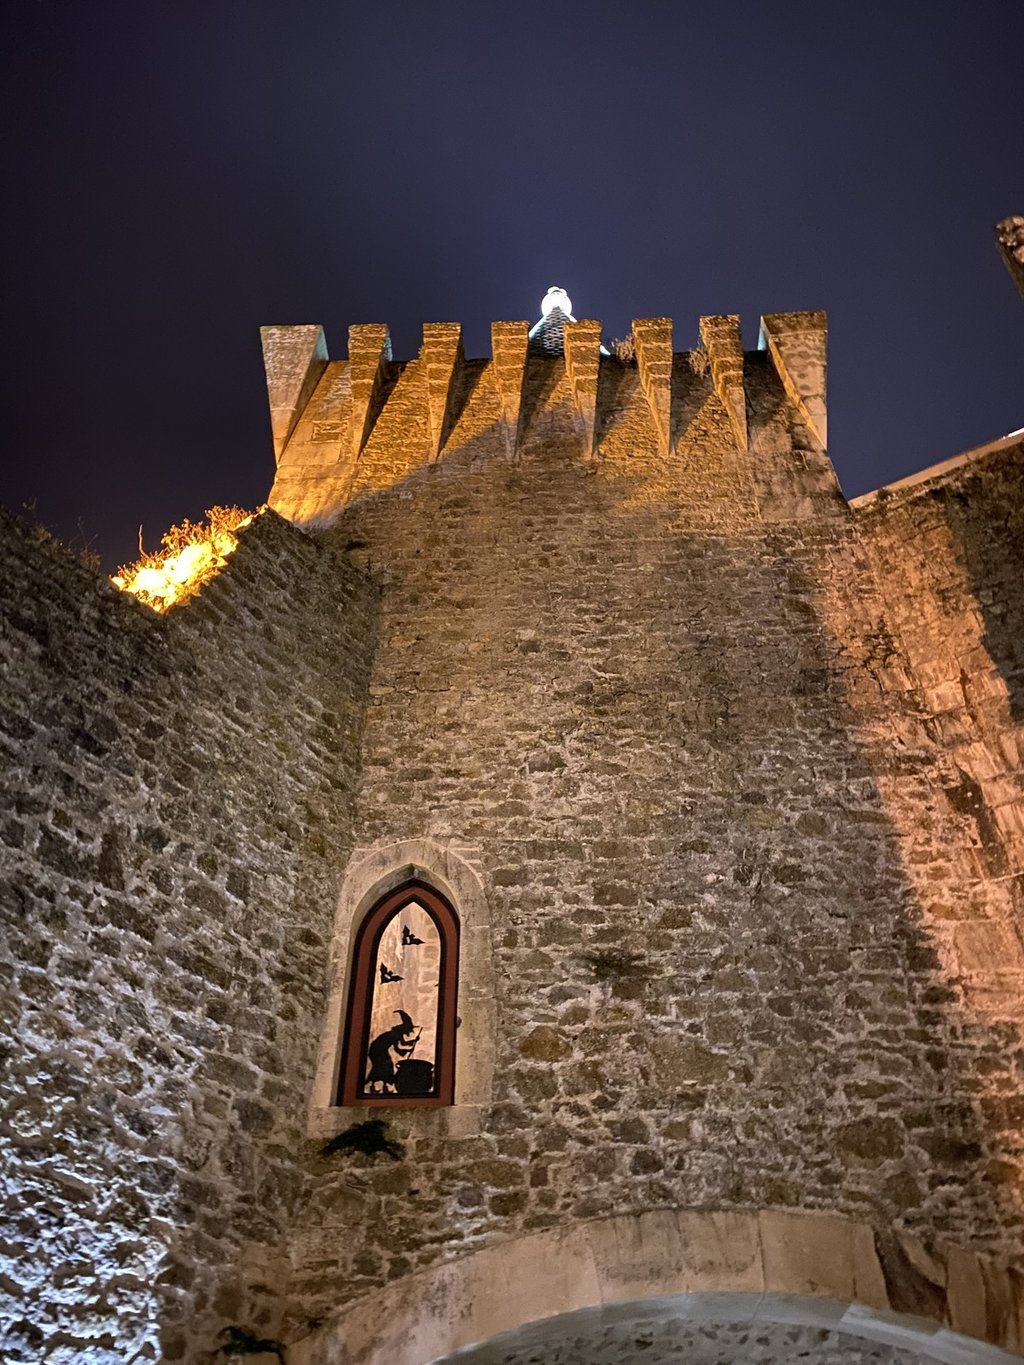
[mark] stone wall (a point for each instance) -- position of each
(947, 551)
(648, 691)
(176, 797)
(737, 767)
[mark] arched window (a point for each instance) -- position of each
(401, 1017)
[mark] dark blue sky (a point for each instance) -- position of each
(178, 173)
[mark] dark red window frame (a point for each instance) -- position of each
(360, 997)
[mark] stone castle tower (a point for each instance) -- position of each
(563, 711)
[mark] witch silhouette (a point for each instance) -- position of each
(400, 1040)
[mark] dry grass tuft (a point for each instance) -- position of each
(190, 554)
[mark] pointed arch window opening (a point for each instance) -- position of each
(401, 1020)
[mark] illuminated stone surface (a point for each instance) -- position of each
(673, 703)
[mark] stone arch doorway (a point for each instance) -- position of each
(665, 1285)
(719, 1329)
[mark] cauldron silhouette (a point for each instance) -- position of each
(414, 1077)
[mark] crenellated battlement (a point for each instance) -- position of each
(342, 427)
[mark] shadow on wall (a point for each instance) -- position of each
(319, 476)
(665, 740)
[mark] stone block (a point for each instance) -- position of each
(652, 338)
(821, 1255)
(294, 359)
(797, 344)
(369, 349)
(721, 1251)
(720, 336)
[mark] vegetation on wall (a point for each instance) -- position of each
(190, 554)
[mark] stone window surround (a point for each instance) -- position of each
(371, 874)
(360, 998)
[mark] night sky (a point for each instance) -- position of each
(176, 174)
